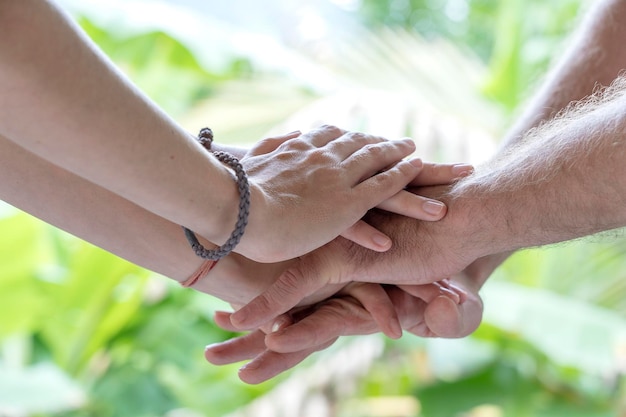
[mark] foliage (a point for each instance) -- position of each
(516, 37)
(109, 338)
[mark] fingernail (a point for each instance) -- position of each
(396, 330)
(450, 294)
(211, 346)
(462, 170)
(433, 207)
(279, 324)
(381, 240)
(295, 132)
(417, 162)
(459, 291)
(250, 366)
(238, 317)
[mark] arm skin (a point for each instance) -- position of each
(64, 101)
(552, 184)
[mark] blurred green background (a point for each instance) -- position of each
(83, 333)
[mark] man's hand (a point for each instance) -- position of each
(448, 309)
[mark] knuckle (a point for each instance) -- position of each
(332, 129)
(297, 144)
(265, 302)
(359, 137)
(373, 150)
(289, 284)
(319, 157)
(406, 169)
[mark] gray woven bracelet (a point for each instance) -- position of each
(205, 137)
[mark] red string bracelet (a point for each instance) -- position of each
(200, 273)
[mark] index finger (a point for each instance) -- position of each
(329, 320)
(268, 145)
(441, 174)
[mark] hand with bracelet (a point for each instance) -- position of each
(322, 175)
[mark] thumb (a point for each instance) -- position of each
(445, 318)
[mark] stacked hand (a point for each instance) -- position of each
(307, 189)
(315, 298)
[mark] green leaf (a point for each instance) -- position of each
(503, 389)
(97, 298)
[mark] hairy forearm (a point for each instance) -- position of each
(562, 181)
(594, 59)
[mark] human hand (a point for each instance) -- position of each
(422, 253)
(306, 190)
(445, 309)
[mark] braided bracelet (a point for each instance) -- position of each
(205, 137)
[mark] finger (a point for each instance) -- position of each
(371, 159)
(268, 145)
(456, 289)
(415, 206)
(446, 318)
(286, 292)
(269, 364)
(386, 184)
(222, 319)
(411, 311)
(428, 292)
(377, 303)
(329, 320)
(322, 135)
(367, 236)
(441, 316)
(350, 142)
(236, 349)
(441, 174)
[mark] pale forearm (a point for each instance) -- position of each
(64, 101)
(105, 219)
